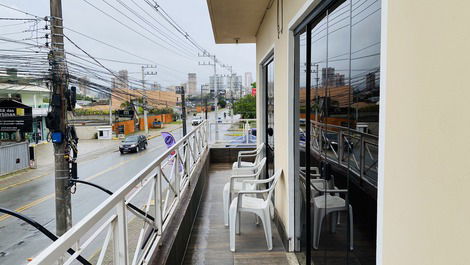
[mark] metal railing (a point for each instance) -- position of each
(348, 148)
(233, 132)
(156, 188)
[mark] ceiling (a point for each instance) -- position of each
(236, 20)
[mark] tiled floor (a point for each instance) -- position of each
(209, 243)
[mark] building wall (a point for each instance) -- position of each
(423, 172)
(266, 40)
(86, 132)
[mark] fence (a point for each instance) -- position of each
(158, 187)
(13, 157)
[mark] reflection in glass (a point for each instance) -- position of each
(344, 113)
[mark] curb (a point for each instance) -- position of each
(153, 136)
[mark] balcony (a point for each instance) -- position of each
(149, 220)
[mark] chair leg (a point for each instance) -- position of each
(226, 205)
(334, 220)
(317, 222)
(266, 219)
(351, 228)
(232, 228)
(237, 223)
(271, 210)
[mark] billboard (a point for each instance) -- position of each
(15, 116)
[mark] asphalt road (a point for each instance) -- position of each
(20, 241)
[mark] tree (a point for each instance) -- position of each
(222, 103)
(246, 107)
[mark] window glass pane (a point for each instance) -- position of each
(365, 63)
(344, 103)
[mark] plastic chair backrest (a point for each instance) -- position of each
(276, 176)
(260, 167)
(259, 153)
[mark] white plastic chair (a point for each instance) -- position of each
(235, 184)
(325, 204)
(258, 154)
(259, 206)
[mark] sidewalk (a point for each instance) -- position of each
(87, 150)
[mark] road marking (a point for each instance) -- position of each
(22, 182)
(27, 206)
(50, 196)
(43, 175)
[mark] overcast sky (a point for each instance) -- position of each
(192, 15)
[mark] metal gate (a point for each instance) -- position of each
(13, 157)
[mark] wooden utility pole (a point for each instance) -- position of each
(62, 188)
(183, 110)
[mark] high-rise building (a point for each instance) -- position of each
(192, 84)
(248, 79)
(217, 83)
(328, 76)
(122, 81)
(83, 84)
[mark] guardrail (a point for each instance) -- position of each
(159, 186)
(236, 132)
(351, 149)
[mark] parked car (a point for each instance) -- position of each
(133, 143)
(196, 121)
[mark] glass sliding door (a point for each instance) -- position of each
(337, 73)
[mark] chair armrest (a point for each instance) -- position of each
(244, 192)
(246, 152)
(242, 171)
(313, 170)
(239, 160)
(257, 181)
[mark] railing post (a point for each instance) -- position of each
(362, 157)
(247, 128)
(340, 146)
(157, 193)
(188, 157)
(120, 235)
(320, 141)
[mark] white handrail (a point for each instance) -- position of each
(181, 169)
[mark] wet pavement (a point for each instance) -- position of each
(100, 163)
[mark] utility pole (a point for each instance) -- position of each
(146, 126)
(180, 91)
(216, 90)
(183, 110)
(63, 204)
(231, 91)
